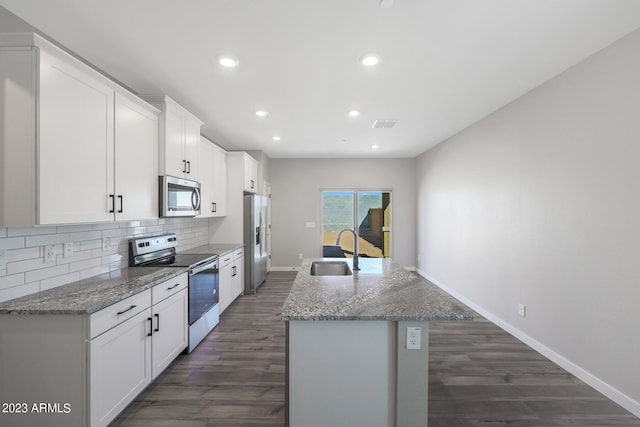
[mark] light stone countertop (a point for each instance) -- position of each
(381, 290)
(92, 294)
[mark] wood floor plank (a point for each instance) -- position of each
(479, 375)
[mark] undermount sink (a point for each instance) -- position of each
(330, 268)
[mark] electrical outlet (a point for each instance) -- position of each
(3, 259)
(413, 338)
(67, 250)
(521, 310)
(300, 256)
(106, 242)
(49, 253)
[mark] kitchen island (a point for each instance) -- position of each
(347, 338)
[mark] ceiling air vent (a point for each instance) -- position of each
(384, 123)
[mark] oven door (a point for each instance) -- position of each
(203, 290)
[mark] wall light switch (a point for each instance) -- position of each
(311, 225)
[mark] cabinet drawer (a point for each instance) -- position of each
(225, 259)
(117, 313)
(238, 253)
(169, 287)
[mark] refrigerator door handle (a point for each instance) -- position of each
(257, 236)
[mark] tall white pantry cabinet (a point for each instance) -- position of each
(70, 140)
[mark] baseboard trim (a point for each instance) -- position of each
(611, 392)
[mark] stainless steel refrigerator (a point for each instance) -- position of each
(255, 245)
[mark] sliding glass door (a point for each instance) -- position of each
(368, 213)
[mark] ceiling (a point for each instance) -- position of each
(444, 64)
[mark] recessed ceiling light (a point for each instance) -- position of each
(275, 138)
(375, 146)
(370, 60)
(228, 62)
(354, 113)
(261, 113)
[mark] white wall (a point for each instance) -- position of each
(539, 204)
(296, 188)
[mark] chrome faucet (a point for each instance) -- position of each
(355, 245)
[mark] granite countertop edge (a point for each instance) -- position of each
(87, 296)
(382, 290)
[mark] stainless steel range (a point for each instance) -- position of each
(204, 312)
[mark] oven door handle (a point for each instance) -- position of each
(210, 266)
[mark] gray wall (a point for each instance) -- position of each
(539, 204)
(297, 184)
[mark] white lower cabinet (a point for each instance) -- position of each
(127, 357)
(231, 277)
(120, 367)
(88, 368)
(170, 319)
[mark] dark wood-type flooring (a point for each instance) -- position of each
(479, 376)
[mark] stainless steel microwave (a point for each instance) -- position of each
(179, 197)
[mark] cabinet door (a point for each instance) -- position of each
(237, 275)
(207, 179)
(75, 144)
(192, 147)
(174, 134)
(170, 330)
(136, 159)
(225, 287)
(119, 367)
(219, 196)
(250, 167)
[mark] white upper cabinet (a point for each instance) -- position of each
(250, 166)
(243, 167)
(213, 178)
(179, 139)
(71, 142)
(76, 146)
(136, 158)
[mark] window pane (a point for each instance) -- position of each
(337, 214)
(373, 221)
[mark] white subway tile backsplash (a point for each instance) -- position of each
(25, 265)
(19, 291)
(105, 226)
(24, 254)
(85, 235)
(46, 239)
(10, 281)
(30, 231)
(46, 273)
(94, 271)
(115, 232)
(73, 228)
(12, 243)
(56, 281)
(85, 264)
(90, 245)
(27, 273)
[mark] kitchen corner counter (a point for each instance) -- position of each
(90, 295)
(381, 290)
